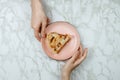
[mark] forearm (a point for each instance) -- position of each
(36, 4)
(65, 76)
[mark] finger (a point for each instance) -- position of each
(85, 53)
(36, 32)
(43, 29)
(81, 58)
(81, 50)
(74, 56)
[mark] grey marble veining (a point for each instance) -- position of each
(97, 21)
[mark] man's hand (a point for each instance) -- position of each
(39, 20)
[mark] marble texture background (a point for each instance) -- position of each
(97, 21)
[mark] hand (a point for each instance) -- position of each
(72, 63)
(39, 19)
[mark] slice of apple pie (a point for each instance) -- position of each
(57, 41)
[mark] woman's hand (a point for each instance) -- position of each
(72, 63)
(39, 19)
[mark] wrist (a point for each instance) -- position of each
(65, 76)
(36, 4)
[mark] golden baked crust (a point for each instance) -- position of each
(57, 41)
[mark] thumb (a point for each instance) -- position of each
(43, 29)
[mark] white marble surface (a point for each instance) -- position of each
(98, 22)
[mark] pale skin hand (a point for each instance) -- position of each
(39, 20)
(73, 62)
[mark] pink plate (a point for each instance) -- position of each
(69, 49)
